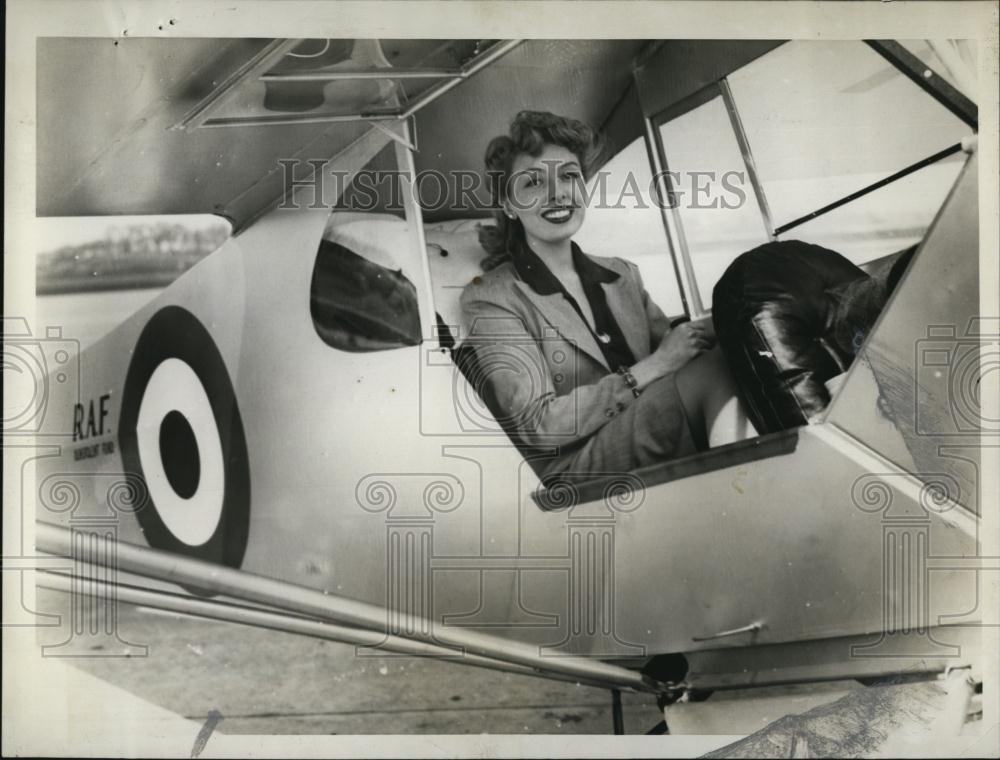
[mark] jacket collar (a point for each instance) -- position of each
(532, 270)
(544, 291)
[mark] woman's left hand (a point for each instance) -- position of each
(706, 327)
(683, 343)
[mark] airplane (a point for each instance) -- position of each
(283, 436)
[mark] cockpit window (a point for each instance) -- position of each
(825, 142)
(816, 140)
(717, 207)
(622, 199)
(358, 305)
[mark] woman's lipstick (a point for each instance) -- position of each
(557, 215)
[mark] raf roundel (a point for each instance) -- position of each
(181, 433)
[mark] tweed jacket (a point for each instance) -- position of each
(546, 377)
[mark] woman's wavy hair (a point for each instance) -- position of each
(530, 132)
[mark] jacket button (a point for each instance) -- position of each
(609, 413)
(620, 406)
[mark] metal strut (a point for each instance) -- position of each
(951, 150)
(318, 605)
(927, 80)
(617, 718)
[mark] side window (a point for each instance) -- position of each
(806, 133)
(358, 305)
(717, 208)
(623, 220)
(826, 119)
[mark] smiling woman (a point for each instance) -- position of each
(572, 354)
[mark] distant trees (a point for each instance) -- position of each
(132, 256)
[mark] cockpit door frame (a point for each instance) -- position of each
(404, 148)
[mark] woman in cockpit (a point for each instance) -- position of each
(574, 356)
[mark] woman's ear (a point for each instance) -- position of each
(508, 211)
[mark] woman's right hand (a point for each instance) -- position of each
(683, 343)
(679, 346)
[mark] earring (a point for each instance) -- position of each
(510, 215)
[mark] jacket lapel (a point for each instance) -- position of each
(630, 318)
(558, 313)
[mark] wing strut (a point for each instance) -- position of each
(276, 620)
(307, 604)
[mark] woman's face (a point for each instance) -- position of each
(544, 193)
